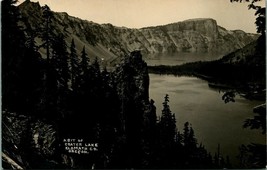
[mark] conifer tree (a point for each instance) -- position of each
(167, 121)
(56, 81)
(74, 65)
(60, 61)
(167, 133)
(96, 67)
(83, 77)
(50, 84)
(84, 68)
(47, 33)
(192, 140)
(84, 62)
(189, 139)
(96, 80)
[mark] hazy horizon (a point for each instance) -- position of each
(139, 14)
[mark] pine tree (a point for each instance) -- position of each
(96, 80)
(47, 33)
(50, 85)
(59, 61)
(189, 139)
(192, 140)
(167, 121)
(56, 82)
(167, 136)
(74, 65)
(191, 151)
(186, 134)
(96, 68)
(83, 76)
(82, 99)
(84, 62)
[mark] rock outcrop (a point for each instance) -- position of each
(132, 81)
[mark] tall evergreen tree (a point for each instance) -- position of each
(56, 81)
(60, 61)
(167, 133)
(84, 62)
(84, 72)
(96, 80)
(189, 137)
(50, 84)
(74, 65)
(96, 67)
(47, 33)
(167, 121)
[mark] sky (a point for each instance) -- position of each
(143, 13)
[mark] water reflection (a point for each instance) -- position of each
(179, 58)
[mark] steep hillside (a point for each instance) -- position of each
(252, 54)
(109, 42)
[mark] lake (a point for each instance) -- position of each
(179, 58)
(214, 122)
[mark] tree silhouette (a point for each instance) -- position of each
(260, 13)
(47, 32)
(83, 77)
(254, 155)
(74, 65)
(167, 133)
(167, 121)
(60, 61)
(259, 121)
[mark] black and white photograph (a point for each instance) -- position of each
(133, 84)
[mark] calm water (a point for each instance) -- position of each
(179, 58)
(214, 122)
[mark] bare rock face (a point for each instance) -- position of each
(195, 35)
(110, 42)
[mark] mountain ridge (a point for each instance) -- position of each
(110, 42)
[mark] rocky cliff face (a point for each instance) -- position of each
(196, 35)
(109, 42)
(190, 35)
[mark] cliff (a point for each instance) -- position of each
(109, 42)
